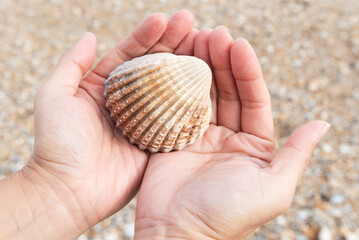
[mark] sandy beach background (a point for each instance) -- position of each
(309, 52)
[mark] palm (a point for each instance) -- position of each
(191, 186)
(227, 166)
(89, 149)
(76, 141)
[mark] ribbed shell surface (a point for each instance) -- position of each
(160, 101)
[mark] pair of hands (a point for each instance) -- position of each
(224, 186)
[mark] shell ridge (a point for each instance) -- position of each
(135, 65)
(123, 81)
(123, 70)
(160, 101)
(147, 84)
(176, 145)
(199, 120)
(119, 73)
(200, 96)
(176, 124)
(159, 91)
(126, 96)
(187, 91)
(179, 146)
(153, 137)
(152, 91)
(183, 102)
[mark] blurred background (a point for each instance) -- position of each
(309, 52)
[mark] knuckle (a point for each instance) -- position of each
(254, 104)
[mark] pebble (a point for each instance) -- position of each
(345, 149)
(301, 237)
(325, 234)
(311, 72)
(327, 148)
(337, 199)
(113, 235)
(288, 235)
(335, 212)
(302, 215)
(83, 237)
(281, 220)
(129, 230)
(352, 236)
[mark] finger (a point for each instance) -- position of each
(178, 27)
(294, 157)
(187, 45)
(201, 50)
(136, 44)
(256, 112)
(228, 103)
(145, 35)
(66, 78)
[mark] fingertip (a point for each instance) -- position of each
(325, 129)
(320, 127)
(221, 28)
(294, 157)
(244, 60)
(84, 51)
(204, 34)
(205, 31)
(73, 66)
(241, 41)
(220, 42)
(86, 41)
(91, 36)
(240, 46)
(201, 42)
(150, 30)
(185, 18)
(83, 54)
(308, 135)
(221, 33)
(158, 20)
(157, 23)
(195, 31)
(187, 45)
(185, 13)
(91, 42)
(177, 28)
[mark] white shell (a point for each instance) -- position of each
(161, 101)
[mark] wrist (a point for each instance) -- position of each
(155, 229)
(38, 208)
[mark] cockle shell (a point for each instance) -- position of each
(160, 101)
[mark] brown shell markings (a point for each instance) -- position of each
(160, 101)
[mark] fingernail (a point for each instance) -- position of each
(87, 34)
(241, 40)
(324, 131)
(206, 28)
(221, 27)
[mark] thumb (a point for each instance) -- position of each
(73, 66)
(292, 160)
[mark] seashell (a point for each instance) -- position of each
(160, 101)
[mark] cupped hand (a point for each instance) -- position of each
(229, 182)
(77, 149)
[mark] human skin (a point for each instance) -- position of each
(230, 181)
(83, 170)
